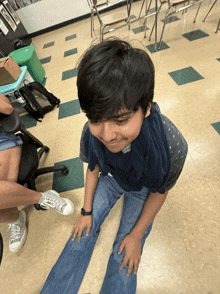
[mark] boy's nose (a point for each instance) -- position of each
(108, 132)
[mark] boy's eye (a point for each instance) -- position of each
(121, 121)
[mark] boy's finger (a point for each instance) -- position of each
(88, 231)
(121, 248)
(124, 262)
(130, 267)
(75, 233)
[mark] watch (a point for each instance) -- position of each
(83, 212)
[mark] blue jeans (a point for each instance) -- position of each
(67, 274)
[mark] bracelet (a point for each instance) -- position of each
(83, 212)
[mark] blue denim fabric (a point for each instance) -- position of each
(9, 140)
(67, 274)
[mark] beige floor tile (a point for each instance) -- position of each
(181, 255)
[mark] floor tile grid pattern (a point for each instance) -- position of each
(182, 253)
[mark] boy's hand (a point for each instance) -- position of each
(82, 222)
(132, 246)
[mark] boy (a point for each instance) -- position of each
(140, 154)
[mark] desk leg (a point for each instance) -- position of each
(155, 47)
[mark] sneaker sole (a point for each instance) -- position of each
(23, 239)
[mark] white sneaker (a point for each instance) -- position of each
(18, 232)
(52, 199)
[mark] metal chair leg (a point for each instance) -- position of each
(91, 22)
(218, 27)
(197, 12)
(154, 23)
(161, 37)
(210, 10)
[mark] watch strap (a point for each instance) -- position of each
(83, 212)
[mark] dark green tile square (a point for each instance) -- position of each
(152, 10)
(28, 121)
(74, 179)
(218, 59)
(48, 45)
(195, 35)
(70, 37)
(69, 74)
(69, 108)
(70, 52)
(132, 16)
(185, 75)
(216, 126)
(139, 29)
(151, 47)
(170, 19)
(45, 60)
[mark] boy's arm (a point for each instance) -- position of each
(151, 207)
(5, 105)
(132, 242)
(90, 186)
(86, 221)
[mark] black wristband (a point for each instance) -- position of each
(83, 212)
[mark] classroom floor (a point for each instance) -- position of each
(182, 253)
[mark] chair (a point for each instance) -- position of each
(99, 5)
(32, 151)
(175, 6)
(110, 20)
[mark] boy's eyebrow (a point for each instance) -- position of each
(122, 114)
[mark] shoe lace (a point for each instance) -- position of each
(54, 203)
(15, 230)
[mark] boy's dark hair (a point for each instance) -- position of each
(113, 74)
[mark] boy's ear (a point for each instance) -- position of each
(148, 110)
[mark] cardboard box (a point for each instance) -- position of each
(9, 71)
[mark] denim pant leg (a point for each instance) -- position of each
(116, 280)
(67, 274)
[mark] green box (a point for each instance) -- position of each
(27, 56)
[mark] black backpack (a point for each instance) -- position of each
(38, 101)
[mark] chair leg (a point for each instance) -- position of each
(218, 27)
(209, 10)
(197, 12)
(91, 22)
(165, 20)
(154, 23)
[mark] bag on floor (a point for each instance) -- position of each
(38, 101)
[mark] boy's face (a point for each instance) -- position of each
(119, 131)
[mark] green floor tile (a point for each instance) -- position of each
(139, 30)
(69, 74)
(74, 179)
(185, 76)
(45, 60)
(48, 45)
(70, 52)
(194, 35)
(218, 59)
(69, 108)
(170, 19)
(28, 121)
(151, 47)
(216, 126)
(132, 16)
(70, 37)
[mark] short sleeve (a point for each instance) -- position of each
(82, 149)
(178, 151)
